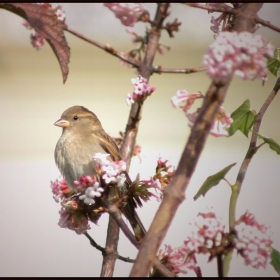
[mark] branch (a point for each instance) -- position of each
(159, 69)
(106, 48)
(267, 24)
(134, 63)
(145, 70)
(222, 9)
(110, 254)
(251, 152)
(244, 166)
(174, 194)
(103, 250)
(115, 212)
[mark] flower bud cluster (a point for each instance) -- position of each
(141, 90)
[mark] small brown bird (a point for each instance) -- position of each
(81, 138)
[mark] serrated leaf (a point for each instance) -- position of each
(243, 119)
(275, 260)
(273, 145)
(212, 181)
(47, 25)
(273, 65)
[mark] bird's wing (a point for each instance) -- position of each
(108, 144)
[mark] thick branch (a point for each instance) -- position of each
(174, 194)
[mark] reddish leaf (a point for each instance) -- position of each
(45, 22)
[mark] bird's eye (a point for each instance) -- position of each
(75, 118)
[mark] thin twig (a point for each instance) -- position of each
(267, 24)
(106, 48)
(101, 249)
(221, 9)
(159, 69)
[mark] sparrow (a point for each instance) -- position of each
(82, 137)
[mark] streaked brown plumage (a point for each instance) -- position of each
(82, 137)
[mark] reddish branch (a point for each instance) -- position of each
(267, 24)
(175, 192)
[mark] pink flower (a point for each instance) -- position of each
(75, 222)
(209, 226)
(112, 172)
(253, 241)
(59, 13)
(208, 235)
(27, 25)
(220, 124)
(127, 13)
(183, 96)
(239, 53)
(37, 41)
(91, 193)
(137, 150)
(85, 182)
(141, 90)
(60, 189)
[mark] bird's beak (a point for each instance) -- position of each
(62, 123)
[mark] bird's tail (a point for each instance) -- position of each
(134, 220)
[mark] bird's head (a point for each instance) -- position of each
(78, 118)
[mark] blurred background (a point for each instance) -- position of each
(33, 97)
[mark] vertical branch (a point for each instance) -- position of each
(131, 132)
(110, 256)
(175, 192)
(145, 70)
(244, 166)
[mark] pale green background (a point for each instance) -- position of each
(33, 98)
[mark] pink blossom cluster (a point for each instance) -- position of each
(152, 184)
(184, 100)
(73, 221)
(112, 171)
(209, 232)
(160, 180)
(127, 13)
(37, 41)
(60, 189)
(238, 53)
(141, 90)
(253, 241)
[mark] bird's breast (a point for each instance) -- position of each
(73, 157)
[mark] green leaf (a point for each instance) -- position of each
(273, 64)
(275, 260)
(212, 181)
(272, 144)
(243, 119)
